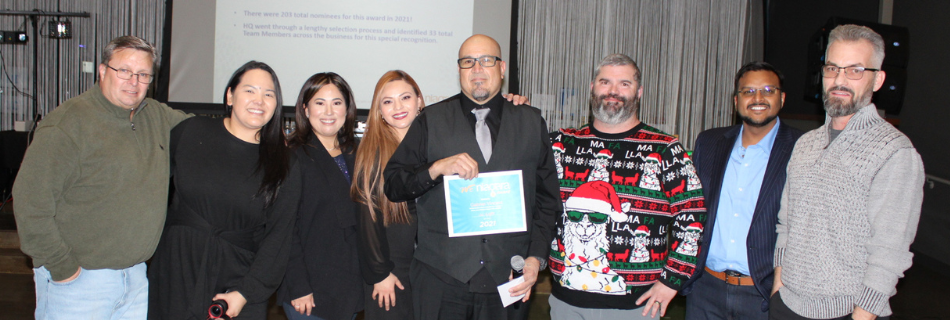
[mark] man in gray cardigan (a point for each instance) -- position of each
(852, 197)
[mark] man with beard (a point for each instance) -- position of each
(742, 169)
(474, 132)
(852, 197)
(611, 255)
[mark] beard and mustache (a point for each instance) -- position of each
(752, 122)
(614, 112)
(839, 107)
(480, 90)
(480, 93)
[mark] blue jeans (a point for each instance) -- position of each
(95, 294)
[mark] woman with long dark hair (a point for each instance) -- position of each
(227, 234)
(323, 279)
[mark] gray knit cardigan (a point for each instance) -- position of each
(849, 214)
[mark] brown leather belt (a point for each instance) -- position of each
(731, 277)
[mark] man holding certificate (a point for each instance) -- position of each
(502, 202)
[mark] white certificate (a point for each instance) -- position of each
(492, 203)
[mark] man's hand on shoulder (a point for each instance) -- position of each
(461, 164)
(516, 99)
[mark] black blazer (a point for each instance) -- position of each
(713, 147)
(323, 256)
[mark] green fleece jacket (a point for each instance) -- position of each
(93, 187)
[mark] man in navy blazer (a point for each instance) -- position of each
(742, 170)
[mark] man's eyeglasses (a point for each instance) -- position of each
(853, 73)
(126, 74)
(486, 62)
(766, 91)
(593, 217)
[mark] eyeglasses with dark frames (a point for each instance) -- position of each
(126, 74)
(853, 73)
(485, 61)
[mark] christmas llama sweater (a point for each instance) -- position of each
(633, 215)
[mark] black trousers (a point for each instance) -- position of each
(779, 311)
(436, 298)
(713, 299)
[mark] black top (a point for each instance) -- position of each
(415, 143)
(323, 253)
(383, 249)
(493, 119)
(218, 237)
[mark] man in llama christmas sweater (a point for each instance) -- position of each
(852, 198)
(626, 187)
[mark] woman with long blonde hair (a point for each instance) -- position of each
(387, 229)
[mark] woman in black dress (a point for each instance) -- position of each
(387, 229)
(323, 280)
(227, 234)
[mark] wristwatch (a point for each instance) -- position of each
(543, 261)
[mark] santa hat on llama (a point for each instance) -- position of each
(642, 231)
(654, 157)
(605, 154)
(694, 227)
(598, 196)
(557, 146)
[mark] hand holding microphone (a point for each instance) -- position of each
(517, 270)
(517, 266)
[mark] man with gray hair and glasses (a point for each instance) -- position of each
(92, 192)
(851, 202)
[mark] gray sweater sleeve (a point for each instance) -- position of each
(781, 228)
(894, 204)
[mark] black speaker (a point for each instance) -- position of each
(896, 52)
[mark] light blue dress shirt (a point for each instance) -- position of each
(737, 198)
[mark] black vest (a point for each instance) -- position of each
(520, 138)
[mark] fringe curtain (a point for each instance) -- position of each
(688, 52)
(60, 60)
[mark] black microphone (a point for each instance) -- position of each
(218, 310)
(517, 266)
(517, 269)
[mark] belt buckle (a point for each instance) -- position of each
(735, 275)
